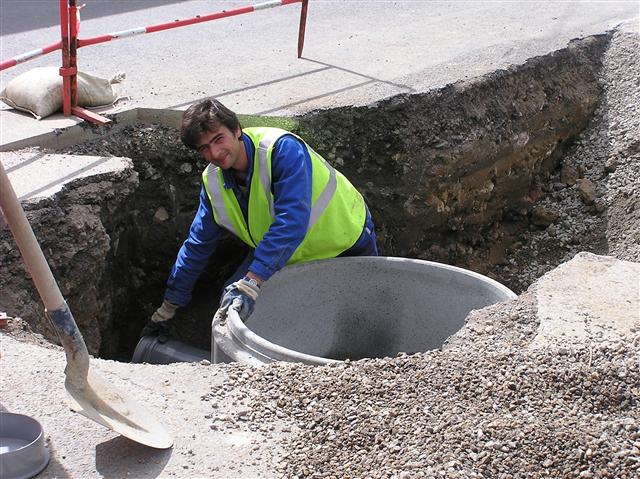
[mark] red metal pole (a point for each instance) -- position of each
(74, 25)
(69, 70)
(8, 63)
(73, 52)
(203, 18)
(64, 71)
(66, 43)
(303, 23)
(69, 44)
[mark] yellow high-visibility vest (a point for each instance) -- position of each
(337, 208)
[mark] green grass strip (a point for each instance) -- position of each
(283, 122)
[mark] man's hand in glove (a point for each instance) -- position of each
(159, 324)
(241, 296)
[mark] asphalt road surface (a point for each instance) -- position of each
(356, 52)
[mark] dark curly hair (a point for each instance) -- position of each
(204, 116)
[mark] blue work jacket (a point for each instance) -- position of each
(291, 184)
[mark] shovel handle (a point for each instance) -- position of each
(55, 306)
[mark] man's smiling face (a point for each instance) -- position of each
(223, 148)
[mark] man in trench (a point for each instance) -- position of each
(276, 194)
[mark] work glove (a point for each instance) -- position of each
(241, 296)
(159, 323)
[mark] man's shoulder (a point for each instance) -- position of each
(277, 139)
(265, 132)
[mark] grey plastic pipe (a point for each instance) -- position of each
(150, 350)
(330, 310)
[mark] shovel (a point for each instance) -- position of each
(87, 393)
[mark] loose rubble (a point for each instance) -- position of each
(483, 406)
(592, 203)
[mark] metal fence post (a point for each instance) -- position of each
(73, 52)
(303, 22)
(65, 70)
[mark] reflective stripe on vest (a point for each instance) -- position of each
(325, 197)
(220, 212)
(265, 177)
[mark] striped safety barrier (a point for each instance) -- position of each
(70, 43)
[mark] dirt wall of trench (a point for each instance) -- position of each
(82, 231)
(446, 172)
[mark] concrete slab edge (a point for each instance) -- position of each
(83, 132)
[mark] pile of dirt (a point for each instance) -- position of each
(592, 201)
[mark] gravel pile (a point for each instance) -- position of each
(482, 407)
(592, 203)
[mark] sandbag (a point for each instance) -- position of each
(39, 91)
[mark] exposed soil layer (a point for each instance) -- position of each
(454, 175)
(465, 175)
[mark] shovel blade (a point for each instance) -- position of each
(101, 402)
(94, 397)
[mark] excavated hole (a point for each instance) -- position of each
(465, 175)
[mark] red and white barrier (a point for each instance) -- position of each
(11, 62)
(70, 43)
(83, 42)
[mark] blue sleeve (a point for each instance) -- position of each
(291, 183)
(194, 254)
